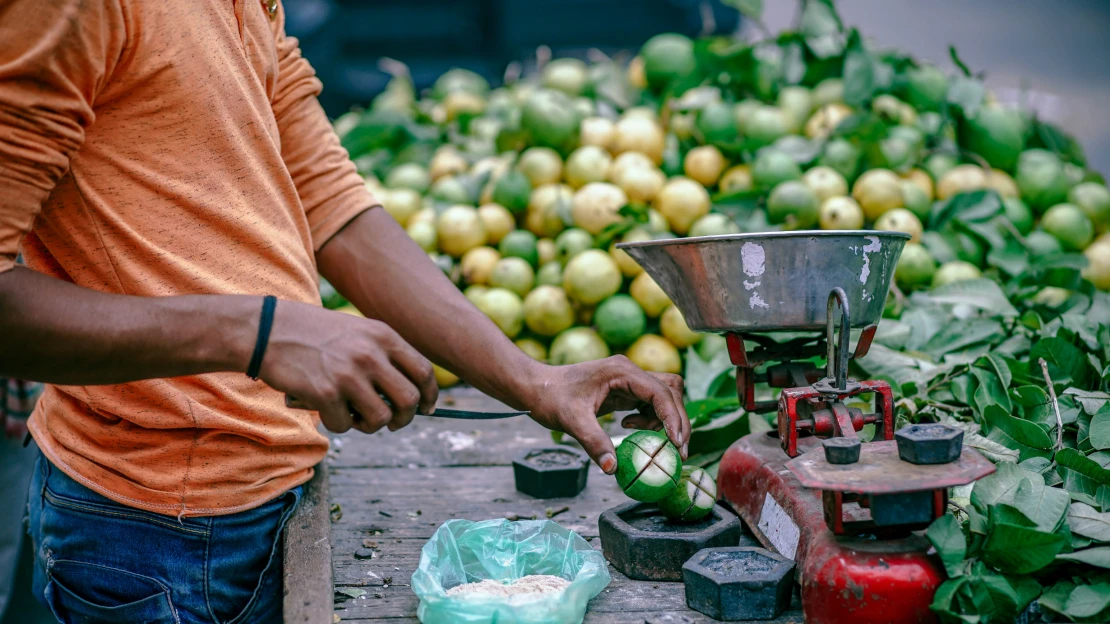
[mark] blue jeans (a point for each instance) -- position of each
(99, 562)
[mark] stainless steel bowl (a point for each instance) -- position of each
(773, 281)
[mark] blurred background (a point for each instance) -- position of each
(1051, 54)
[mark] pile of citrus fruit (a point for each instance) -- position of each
(520, 193)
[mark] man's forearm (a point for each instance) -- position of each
(56, 332)
(378, 268)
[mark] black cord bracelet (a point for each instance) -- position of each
(268, 304)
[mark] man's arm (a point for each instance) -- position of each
(377, 267)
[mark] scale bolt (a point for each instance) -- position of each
(930, 443)
(840, 450)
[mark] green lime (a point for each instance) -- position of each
(896, 153)
(577, 345)
(1094, 199)
(520, 244)
(1018, 214)
(710, 346)
(591, 277)
(547, 311)
(742, 112)
(717, 123)
(916, 200)
(504, 308)
(1042, 179)
(693, 498)
(550, 274)
(666, 57)
(796, 103)
(926, 87)
(915, 267)
(551, 119)
(649, 466)
(458, 79)
(568, 75)
(842, 156)
(940, 163)
(450, 190)
(620, 320)
(571, 243)
(793, 204)
(512, 191)
(1041, 243)
(410, 176)
(828, 91)
(773, 167)
(997, 134)
(513, 274)
(1070, 225)
(955, 271)
(713, 224)
(765, 125)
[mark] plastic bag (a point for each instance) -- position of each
(463, 551)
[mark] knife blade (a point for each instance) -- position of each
(441, 412)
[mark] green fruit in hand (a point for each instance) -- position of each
(577, 345)
(1094, 199)
(794, 204)
(520, 244)
(693, 498)
(926, 87)
(717, 123)
(955, 271)
(1042, 179)
(1018, 214)
(915, 267)
(773, 167)
(513, 274)
(620, 320)
(1041, 243)
(551, 119)
(842, 156)
(648, 466)
(547, 311)
(997, 134)
(512, 191)
(667, 56)
(1070, 225)
(571, 243)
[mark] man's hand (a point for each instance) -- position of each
(334, 362)
(570, 398)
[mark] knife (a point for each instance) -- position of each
(441, 412)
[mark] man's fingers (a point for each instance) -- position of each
(675, 382)
(418, 369)
(403, 396)
(642, 421)
(595, 442)
(372, 413)
(335, 416)
(662, 398)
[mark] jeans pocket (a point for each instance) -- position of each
(86, 593)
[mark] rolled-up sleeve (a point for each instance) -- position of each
(54, 58)
(330, 188)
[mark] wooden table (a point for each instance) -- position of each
(389, 492)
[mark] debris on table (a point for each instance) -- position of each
(551, 513)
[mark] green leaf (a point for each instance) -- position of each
(1001, 486)
(1067, 364)
(1012, 258)
(1056, 597)
(958, 336)
(751, 8)
(983, 294)
(1091, 402)
(1080, 463)
(1100, 429)
(1034, 404)
(947, 537)
(967, 94)
(1023, 431)
(859, 71)
(699, 374)
(1017, 549)
(1084, 520)
(990, 392)
(1102, 498)
(1046, 506)
(701, 412)
(1088, 600)
(971, 206)
(957, 61)
(1098, 556)
(998, 365)
(990, 449)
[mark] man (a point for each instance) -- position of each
(163, 167)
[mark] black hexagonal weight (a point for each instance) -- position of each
(929, 443)
(642, 544)
(555, 472)
(738, 583)
(840, 450)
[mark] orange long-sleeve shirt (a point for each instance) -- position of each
(169, 148)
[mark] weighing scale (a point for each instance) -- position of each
(844, 510)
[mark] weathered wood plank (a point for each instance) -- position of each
(307, 556)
